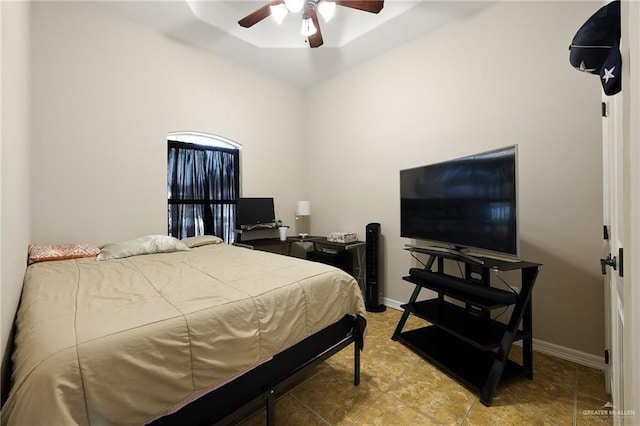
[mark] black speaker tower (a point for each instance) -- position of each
(372, 272)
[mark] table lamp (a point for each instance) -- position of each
(302, 211)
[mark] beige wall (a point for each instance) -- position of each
(14, 152)
(498, 78)
(106, 91)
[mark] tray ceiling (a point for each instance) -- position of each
(350, 38)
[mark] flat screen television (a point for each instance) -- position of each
(256, 213)
(468, 202)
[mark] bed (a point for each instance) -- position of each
(186, 337)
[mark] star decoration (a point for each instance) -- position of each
(608, 74)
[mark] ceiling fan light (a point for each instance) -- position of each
(279, 12)
(294, 6)
(326, 9)
(308, 29)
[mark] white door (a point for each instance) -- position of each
(630, 49)
(613, 259)
(631, 75)
(621, 152)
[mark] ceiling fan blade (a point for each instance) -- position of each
(373, 6)
(258, 15)
(315, 40)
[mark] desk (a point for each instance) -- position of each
(358, 272)
(261, 243)
(318, 244)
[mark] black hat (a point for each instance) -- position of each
(611, 72)
(595, 47)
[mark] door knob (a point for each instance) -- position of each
(609, 261)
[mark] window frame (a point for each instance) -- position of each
(233, 149)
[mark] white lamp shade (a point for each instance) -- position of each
(279, 12)
(326, 9)
(294, 6)
(304, 208)
(308, 29)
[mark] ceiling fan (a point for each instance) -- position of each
(279, 9)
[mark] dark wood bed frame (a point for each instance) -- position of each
(262, 385)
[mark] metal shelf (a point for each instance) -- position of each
(481, 332)
(464, 341)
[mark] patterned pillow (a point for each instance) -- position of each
(45, 252)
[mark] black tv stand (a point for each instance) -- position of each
(450, 253)
(463, 340)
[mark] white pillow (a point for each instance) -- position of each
(144, 245)
(201, 240)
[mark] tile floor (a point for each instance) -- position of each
(400, 388)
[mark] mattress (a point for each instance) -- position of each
(126, 341)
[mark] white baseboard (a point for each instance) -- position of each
(393, 304)
(579, 357)
(558, 351)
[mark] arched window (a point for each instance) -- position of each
(203, 185)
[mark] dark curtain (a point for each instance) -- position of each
(202, 187)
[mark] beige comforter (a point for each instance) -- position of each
(124, 341)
